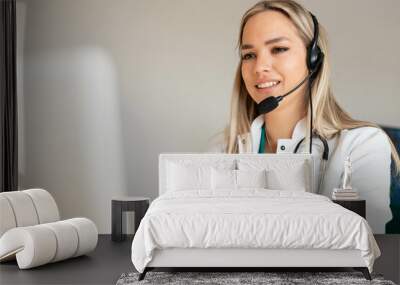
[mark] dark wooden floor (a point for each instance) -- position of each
(111, 259)
(102, 266)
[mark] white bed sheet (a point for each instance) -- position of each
(250, 218)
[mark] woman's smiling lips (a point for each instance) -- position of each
(267, 87)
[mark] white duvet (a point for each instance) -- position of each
(250, 218)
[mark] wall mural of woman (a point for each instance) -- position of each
(275, 40)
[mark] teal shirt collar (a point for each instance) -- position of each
(261, 149)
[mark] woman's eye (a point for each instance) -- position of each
(279, 49)
(275, 50)
(247, 56)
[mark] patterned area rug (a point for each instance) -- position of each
(275, 278)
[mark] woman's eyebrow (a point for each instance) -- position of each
(271, 41)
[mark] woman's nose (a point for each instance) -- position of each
(263, 63)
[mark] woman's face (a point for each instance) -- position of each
(273, 57)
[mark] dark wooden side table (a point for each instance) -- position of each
(357, 206)
(139, 205)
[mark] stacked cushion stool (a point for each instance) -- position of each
(31, 231)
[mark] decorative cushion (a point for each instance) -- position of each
(251, 178)
(182, 177)
(237, 179)
(282, 174)
(295, 180)
(193, 174)
(223, 179)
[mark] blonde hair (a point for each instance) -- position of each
(328, 117)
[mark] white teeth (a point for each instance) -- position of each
(267, 84)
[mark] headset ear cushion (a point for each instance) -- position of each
(314, 58)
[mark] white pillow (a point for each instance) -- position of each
(251, 178)
(223, 179)
(237, 179)
(184, 177)
(193, 173)
(295, 180)
(282, 174)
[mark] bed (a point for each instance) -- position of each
(247, 211)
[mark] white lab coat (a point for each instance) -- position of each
(370, 154)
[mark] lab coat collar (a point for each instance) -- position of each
(255, 131)
(300, 129)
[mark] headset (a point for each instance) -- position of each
(315, 58)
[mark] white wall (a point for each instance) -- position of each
(105, 86)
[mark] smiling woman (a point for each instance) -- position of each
(272, 66)
(275, 40)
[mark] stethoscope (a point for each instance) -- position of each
(325, 157)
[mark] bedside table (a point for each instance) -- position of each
(139, 205)
(357, 206)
